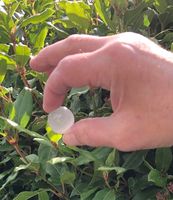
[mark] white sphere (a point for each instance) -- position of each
(61, 119)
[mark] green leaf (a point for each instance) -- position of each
(161, 5)
(78, 91)
(84, 158)
(134, 17)
(101, 194)
(21, 167)
(78, 13)
(101, 9)
(4, 48)
(3, 69)
(157, 178)
(11, 64)
(118, 170)
(23, 107)
(146, 21)
(43, 195)
(28, 194)
(7, 2)
(14, 8)
(120, 4)
(134, 160)
(43, 141)
(67, 177)
(40, 38)
(59, 31)
(112, 159)
(172, 47)
(3, 91)
(38, 18)
(45, 154)
(22, 54)
(10, 178)
(20, 129)
(84, 195)
(166, 17)
(4, 36)
(163, 159)
(56, 160)
(110, 195)
(147, 194)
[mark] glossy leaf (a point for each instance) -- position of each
(39, 41)
(22, 55)
(78, 13)
(23, 107)
(3, 69)
(38, 18)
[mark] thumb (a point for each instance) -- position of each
(103, 131)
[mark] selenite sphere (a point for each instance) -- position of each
(61, 119)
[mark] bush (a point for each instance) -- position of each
(35, 164)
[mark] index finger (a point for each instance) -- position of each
(88, 69)
(50, 56)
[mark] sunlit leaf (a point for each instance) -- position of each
(22, 55)
(3, 69)
(38, 18)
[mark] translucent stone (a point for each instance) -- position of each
(61, 119)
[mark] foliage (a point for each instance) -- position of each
(35, 164)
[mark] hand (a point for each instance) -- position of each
(139, 75)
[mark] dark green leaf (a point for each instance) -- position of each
(88, 193)
(147, 194)
(134, 160)
(23, 107)
(28, 194)
(67, 177)
(43, 195)
(163, 159)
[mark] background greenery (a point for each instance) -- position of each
(34, 163)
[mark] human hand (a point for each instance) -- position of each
(139, 75)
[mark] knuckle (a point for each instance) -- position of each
(64, 63)
(72, 39)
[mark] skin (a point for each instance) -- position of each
(139, 75)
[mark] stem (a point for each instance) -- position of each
(22, 73)
(54, 189)
(19, 151)
(106, 177)
(22, 155)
